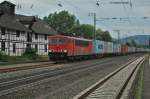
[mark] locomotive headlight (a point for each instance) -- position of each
(65, 51)
(50, 50)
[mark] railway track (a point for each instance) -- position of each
(12, 85)
(45, 71)
(8, 86)
(5, 69)
(115, 85)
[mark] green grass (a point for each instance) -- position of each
(21, 59)
(30, 55)
(139, 85)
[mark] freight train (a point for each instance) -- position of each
(71, 48)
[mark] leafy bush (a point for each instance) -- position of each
(30, 53)
(3, 56)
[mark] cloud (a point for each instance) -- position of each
(81, 8)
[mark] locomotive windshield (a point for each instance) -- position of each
(56, 40)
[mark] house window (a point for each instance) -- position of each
(14, 48)
(45, 47)
(36, 47)
(3, 46)
(36, 36)
(17, 33)
(3, 30)
(45, 37)
(28, 46)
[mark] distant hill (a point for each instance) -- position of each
(139, 39)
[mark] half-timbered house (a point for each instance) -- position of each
(17, 32)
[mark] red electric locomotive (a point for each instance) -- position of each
(66, 47)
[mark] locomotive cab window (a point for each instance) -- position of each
(61, 41)
(56, 40)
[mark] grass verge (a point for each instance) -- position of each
(138, 89)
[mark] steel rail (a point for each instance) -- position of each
(92, 88)
(5, 87)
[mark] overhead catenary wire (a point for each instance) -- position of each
(78, 9)
(138, 26)
(85, 11)
(130, 23)
(60, 4)
(125, 10)
(82, 10)
(20, 8)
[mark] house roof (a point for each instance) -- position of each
(7, 2)
(18, 22)
(0, 10)
(22, 22)
(10, 22)
(36, 24)
(41, 27)
(25, 19)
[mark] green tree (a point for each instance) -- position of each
(103, 35)
(87, 30)
(30, 53)
(133, 43)
(128, 43)
(69, 25)
(3, 56)
(84, 30)
(62, 21)
(99, 34)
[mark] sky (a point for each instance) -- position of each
(131, 20)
